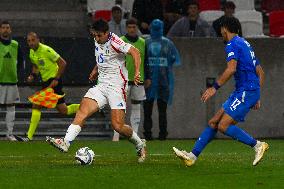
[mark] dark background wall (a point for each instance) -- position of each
(201, 59)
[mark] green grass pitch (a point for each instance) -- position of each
(223, 164)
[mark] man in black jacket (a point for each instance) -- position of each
(229, 10)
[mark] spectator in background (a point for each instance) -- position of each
(126, 6)
(172, 11)
(191, 25)
(136, 93)
(145, 11)
(10, 60)
(161, 55)
(229, 10)
(117, 24)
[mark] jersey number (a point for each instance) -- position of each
(235, 104)
(100, 58)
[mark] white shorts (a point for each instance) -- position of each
(103, 94)
(136, 92)
(9, 94)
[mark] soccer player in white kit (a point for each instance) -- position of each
(111, 89)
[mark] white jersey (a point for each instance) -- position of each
(110, 58)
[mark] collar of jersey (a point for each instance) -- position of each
(234, 38)
(5, 41)
(109, 37)
(39, 47)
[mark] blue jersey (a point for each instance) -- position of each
(245, 76)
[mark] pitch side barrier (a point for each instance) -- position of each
(203, 59)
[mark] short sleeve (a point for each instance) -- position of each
(119, 45)
(231, 52)
(52, 55)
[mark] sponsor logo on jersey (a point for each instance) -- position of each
(41, 62)
(7, 55)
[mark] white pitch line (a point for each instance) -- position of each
(97, 155)
(161, 154)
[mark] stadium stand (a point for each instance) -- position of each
(54, 124)
(276, 23)
(95, 5)
(58, 18)
(272, 5)
(211, 15)
(104, 14)
(252, 24)
(244, 4)
(209, 5)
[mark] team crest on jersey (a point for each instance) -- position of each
(41, 62)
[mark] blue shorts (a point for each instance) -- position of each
(239, 103)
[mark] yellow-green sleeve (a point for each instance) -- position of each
(52, 55)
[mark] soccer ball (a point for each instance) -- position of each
(84, 156)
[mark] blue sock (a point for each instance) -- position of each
(206, 136)
(240, 135)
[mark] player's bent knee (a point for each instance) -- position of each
(117, 127)
(222, 128)
(80, 117)
(63, 111)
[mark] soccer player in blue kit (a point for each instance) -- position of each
(249, 77)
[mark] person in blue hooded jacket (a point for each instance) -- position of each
(161, 55)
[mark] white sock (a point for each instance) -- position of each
(115, 136)
(10, 118)
(135, 117)
(191, 155)
(258, 144)
(72, 132)
(135, 139)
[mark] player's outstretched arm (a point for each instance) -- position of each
(260, 73)
(61, 67)
(226, 75)
(229, 71)
(137, 61)
(31, 77)
(94, 74)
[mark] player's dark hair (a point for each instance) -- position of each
(232, 24)
(229, 5)
(100, 25)
(131, 21)
(186, 4)
(116, 8)
(4, 22)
